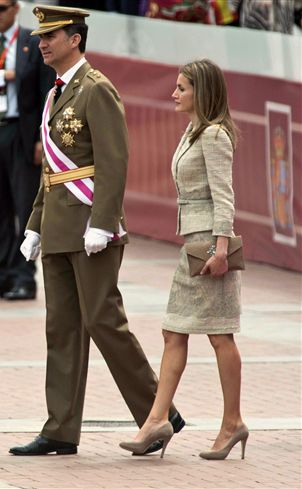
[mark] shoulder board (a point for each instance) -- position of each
(94, 74)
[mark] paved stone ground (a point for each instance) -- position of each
(271, 393)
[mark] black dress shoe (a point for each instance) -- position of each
(20, 293)
(5, 286)
(43, 446)
(177, 422)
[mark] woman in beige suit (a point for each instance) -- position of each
(210, 303)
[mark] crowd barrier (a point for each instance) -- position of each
(263, 74)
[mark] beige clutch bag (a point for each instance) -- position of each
(199, 252)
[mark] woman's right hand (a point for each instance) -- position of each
(216, 265)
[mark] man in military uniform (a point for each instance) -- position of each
(78, 220)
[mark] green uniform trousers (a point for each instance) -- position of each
(83, 302)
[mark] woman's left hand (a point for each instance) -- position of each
(216, 266)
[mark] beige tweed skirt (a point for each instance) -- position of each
(203, 304)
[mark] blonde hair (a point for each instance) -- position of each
(210, 98)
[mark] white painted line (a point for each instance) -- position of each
(157, 361)
(259, 219)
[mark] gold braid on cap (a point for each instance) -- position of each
(56, 23)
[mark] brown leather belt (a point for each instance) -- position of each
(66, 176)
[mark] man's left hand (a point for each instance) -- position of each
(95, 241)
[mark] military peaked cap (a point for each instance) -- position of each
(53, 18)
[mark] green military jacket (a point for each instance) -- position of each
(58, 216)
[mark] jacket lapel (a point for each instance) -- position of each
(69, 90)
(184, 145)
(22, 55)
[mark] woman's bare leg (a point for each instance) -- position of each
(172, 366)
(229, 366)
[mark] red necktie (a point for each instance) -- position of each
(58, 84)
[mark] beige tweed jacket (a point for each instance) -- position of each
(202, 173)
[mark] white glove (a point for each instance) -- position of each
(95, 240)
(30, 248)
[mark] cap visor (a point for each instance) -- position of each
(44, 30)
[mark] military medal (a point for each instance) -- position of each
(75, 125)
(68, 113)
(67, 139)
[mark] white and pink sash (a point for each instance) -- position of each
(59, 162)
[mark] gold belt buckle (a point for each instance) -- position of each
(46, 180)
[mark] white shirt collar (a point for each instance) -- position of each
(10, 32)
(69, 74)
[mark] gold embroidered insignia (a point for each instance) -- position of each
(39, 14)
(67, 139)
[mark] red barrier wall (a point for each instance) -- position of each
(154, 131)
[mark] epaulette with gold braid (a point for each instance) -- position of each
(94, 74)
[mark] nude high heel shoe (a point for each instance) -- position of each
(241, 435)
(165, 433)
